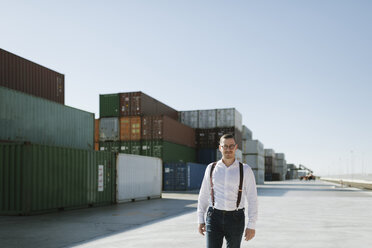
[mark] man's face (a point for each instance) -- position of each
(228, 148)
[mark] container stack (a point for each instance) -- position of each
(280, 167)
(135, 123)
(253, 155)
(209, 126)
(269, 164)
(292, 172)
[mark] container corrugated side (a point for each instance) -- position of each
(110, 146)
(96, 130)
(229, 118)
(109, 105)
(124, 99)
(279, 156)
(269, 153)
(254, 161)
(253, 147)
(28, 118)
(176, 132)
(138, 177)
(246, 133)
(206, 155)
(206, 138)
(189, 118)
(39, 179)
(130, 128)
(109, 129)
(183, 176)
(207, 118)
(259, 176)
(23, 75)
(171, 152)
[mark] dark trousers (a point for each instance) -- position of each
(228, 224)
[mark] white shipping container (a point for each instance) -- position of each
(109, 129)
(280, 162)
(259, 176)
(279, 156)
(229, 118)
(246, 133)
(138, 177)
(253, 147)
(207, 118)
(255, 161)
(189, 118)
(269, 153)
(238, 155)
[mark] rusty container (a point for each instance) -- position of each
(96, 130)
(140, 104)
(23, 75)
(130, 128)
(124, 128)
(146, 129)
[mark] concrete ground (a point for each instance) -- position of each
(291, 214)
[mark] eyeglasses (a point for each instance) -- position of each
(231, 147)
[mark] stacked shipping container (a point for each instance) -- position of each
(144, 126)
(23, 75)
(253, 155)
(280, 166)
(269, 164)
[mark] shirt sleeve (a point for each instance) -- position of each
(203, 200)
(251, 197)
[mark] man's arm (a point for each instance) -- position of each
(203, 200)
(251, 197)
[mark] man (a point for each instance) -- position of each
(219, 196)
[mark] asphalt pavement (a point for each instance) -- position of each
(291, 214)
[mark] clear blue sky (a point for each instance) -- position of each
(300, 72)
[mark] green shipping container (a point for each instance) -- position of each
(146, 148)
(27, 118)
(110, 146)
(38, 179)
(168, 152)
(125, 147)
(109, 105)
(135, 147)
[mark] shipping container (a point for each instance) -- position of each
(135, 147)
(124, 99)
(96, 130)
(109, 129)
(268, 176)
(253, 147)
(206, 155)
(168, 129)
(110, 146)
(230, 130)
(125, 147)
(130, 128)
(206, 138)
(229, 117)
(26, 118)
(138, 177)
(140, 104)
(269, 164)
(171, 152)
(189, 118)
(109, 105)
(96, 146)
(182, 176)
(279, 156)
(146, 148)
(23, 75)
(38, 179)
(254, 161)
(269, 153)
(207, 118)
(259, 176)
(246, 133)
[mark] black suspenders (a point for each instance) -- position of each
(240, 184)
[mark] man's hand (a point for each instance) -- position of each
(202, 229)
(249, 234)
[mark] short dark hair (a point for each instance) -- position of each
(227, 136)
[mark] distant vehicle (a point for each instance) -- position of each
(308, 177)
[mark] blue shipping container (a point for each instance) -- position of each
(206, 155)
(182, 176)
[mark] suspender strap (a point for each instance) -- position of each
(212, 191)
(240, 185)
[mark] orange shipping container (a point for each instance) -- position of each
(96, 130)
(96, 146)
(130, 128)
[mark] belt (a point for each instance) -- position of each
(225, 211)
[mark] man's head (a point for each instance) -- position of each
(228, 146)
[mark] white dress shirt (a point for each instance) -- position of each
(226, 187)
